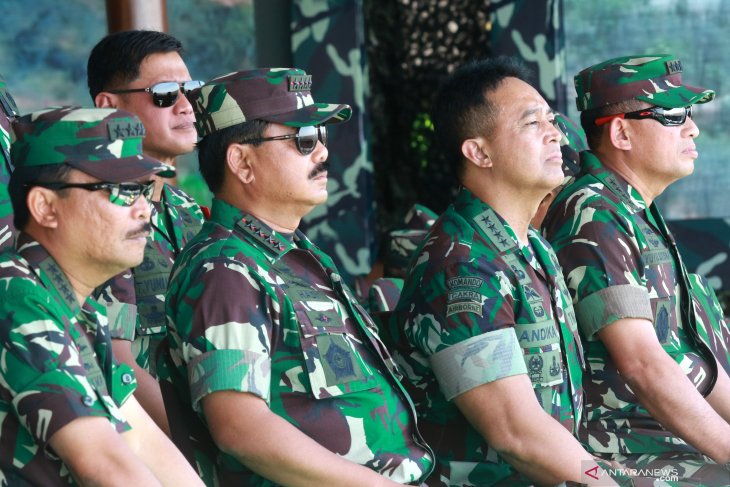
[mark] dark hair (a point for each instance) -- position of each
(115, 60)
(463, 109)
(19, 187)
(588, 118)
(213, 147)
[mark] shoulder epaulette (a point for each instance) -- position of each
(261, 233)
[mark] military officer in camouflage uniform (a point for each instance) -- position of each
(80, 194)
(274, 351)
(8, 112)
(484, 327)
(655, 397)
(143, 72)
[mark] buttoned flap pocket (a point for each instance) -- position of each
(331, 355)
(540, 344)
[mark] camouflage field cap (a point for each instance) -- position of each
(571, 145)
(277, 95)
(103, 142)
(653, 78)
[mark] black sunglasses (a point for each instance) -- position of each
(122, 194)
(666, 116)
(306, 138)
(165, 94)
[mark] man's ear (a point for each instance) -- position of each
(619, 132)
(42, 206)
(105, 99)
(239, 162)
(477, 152)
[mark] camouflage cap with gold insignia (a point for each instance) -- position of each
(277, 95)
(103, 142)
(653, 78)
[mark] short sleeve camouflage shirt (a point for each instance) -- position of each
(135, 299)
(478, 306)
(55, 366)
(618, 260)
(256, 311)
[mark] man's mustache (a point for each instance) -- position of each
(145, 230)
(323, 167)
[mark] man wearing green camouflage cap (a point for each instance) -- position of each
(8, 112)
(655, 396)
(269, 346)
(80, 192)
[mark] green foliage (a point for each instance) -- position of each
(44, 61)
(421, 135)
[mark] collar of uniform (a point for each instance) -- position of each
(487, 221)
(48, 270)
(231, 217)
(628, 195)
(225, 214)
(263, 234)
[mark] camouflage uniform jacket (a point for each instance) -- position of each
(478, 306)
(7, 229)
(55, 366)
(135, 299)
(620, 261)
(255, 311)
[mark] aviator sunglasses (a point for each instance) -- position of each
(122, 194)
(306, 138)
(165, 94)
(669, 117)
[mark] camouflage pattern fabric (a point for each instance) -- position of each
(711, 322)
(403, 241)
(379, 291)
(55, 366)
(384, 294)
(107, 143)
(328, 37)
(275, 95)
(635, 274)
(703, 244)
(475, 296)
(532, 30)
(8, 111)
(135, 299)
(294, 336)
(653, 78)
(571, 145)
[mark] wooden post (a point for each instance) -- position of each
(136, 14)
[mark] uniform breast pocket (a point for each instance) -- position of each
(540, 343)
(332, 356)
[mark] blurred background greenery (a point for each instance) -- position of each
(44, 49)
